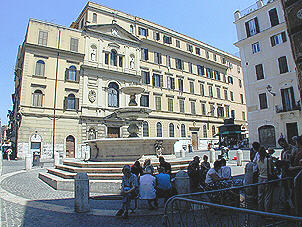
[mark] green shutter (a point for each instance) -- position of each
(66, 74)
(76, 103)
(161, 80)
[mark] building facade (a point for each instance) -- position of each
(68, 82)
(273, 105)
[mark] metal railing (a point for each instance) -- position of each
(233, 206)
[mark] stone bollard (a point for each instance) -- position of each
(239, 155)
(57, 158)
(212, 156)
(182, 182)
(182, 153)
(81, 193)
(251, 192)
(28, 162)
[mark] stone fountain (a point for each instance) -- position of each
(133, 147)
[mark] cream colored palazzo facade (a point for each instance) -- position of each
(68, 82)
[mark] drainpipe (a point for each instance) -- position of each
(55, 99)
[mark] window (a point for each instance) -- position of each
(113, 58)
(178, 43)
(170, 83)
(157, 80)
(143, 31)
(233, 114)
(241, 99)
(259, 72)
(191, 87)
(91, 134)
(263, 101)
(120, 62)
(243, 115)
(178, 63)
(71, 102)
(193, 109)
(252, 27)
(171, 130)
(202, 89)
(131, 28)
(240, 83)
(211, 91)
(205, 133)
(190, 66)
(209, 73)
(218, 93)
(213, 131)
(93, 51)
(223, 61)
(82, 23)
(180, 84)
(74, 44)
(145, 129)
(197, 50)
(144, 100)
(37, 98)
(216, 75)
(113, 95)
(203, 109)
(278, 39)
(167, 39)
(288, 99)
(227, 111)
(189, 48)
(183, 130)
(106, 58)
(40, 68)
(157, 58)
(170, 104)
(207, 54)
(181, 105)
(224, 78)
(283, 68)
(159, 129)
(156, 35)
(256, 47)
(200, 70)
(43, 35)
(145, 54)
(232, 95)
(212, 110)
(226, 94)
(157, 102)
(230, 80)
(273, 16)
(72, 73)
(146, 77)
(215, 59)
(168, 61)
(220, 111)
(94, 18)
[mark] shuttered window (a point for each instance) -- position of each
(273, 16)
(40, 68)
(283, 68)
(252, 27)
(259, 72)
(263, 101)
(158, 102)
(74, 44)
(43, 35)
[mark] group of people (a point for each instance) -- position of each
(266, 167)
(141, 182)
(203, 176)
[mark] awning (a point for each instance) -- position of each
(230, 132)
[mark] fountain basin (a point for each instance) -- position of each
(132, 113)
(132, 90)
(128, 149)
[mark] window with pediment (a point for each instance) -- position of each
(113, 58)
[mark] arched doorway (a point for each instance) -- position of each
(70, 147)
(267, 137)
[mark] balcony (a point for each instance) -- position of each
(283, 109)
(259, 4)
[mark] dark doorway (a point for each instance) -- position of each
(195, 140)
(113, 132)
(70, 147)
(267, 137)
(291, 130)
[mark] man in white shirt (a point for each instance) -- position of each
(225, 171)
(213, 174)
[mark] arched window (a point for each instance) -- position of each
(70, 146)
(71, 102)
(37, 98)
(205, 134)
(40, 68)
(93, 53)
(131, 28)
(171, 130)
(113, 58)
(91, 134)
(159, 130)
(213, 131)
(72, 72)
(145, 129)
(94, 18)
(113, 95)
(183, 130)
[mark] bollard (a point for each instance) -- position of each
(212, 156)
(251, 192)
(182, 182)
(239, 155)
(182, 153)
(81, 193)
(57, 158)
(28, 162)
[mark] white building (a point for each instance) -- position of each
(269, 73)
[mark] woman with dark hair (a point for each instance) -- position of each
(137, 169)
(265, 190)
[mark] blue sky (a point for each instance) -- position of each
(210, 21)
